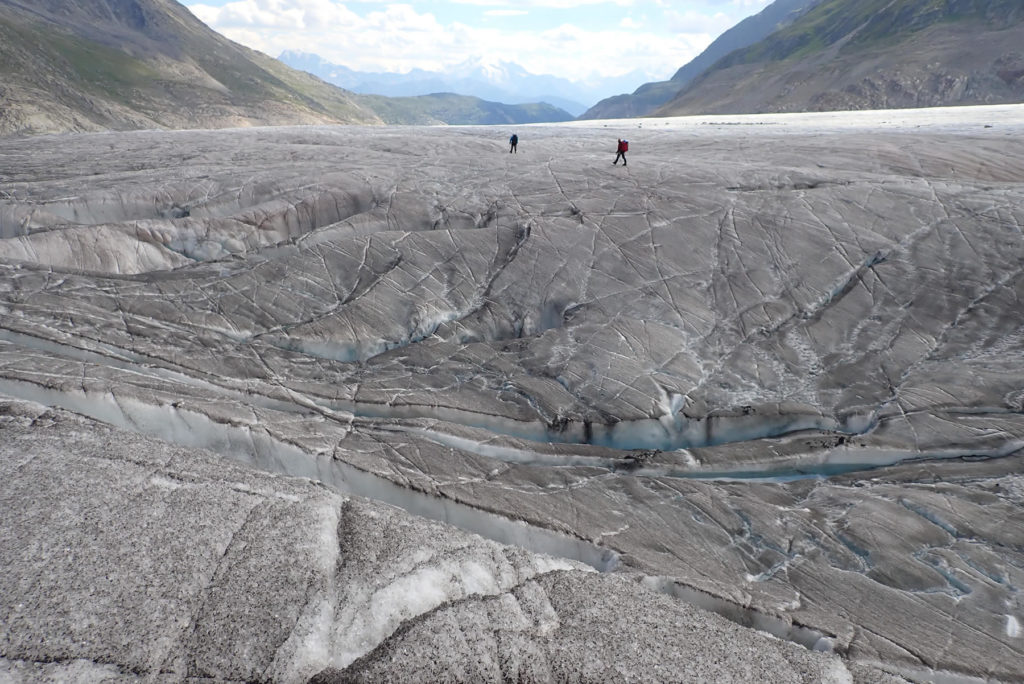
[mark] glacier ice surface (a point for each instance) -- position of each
(772, 368)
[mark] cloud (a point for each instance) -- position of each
(692, 21)
(274, 14)
(505, 13)
(400, 37)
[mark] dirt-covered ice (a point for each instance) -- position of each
(773, 368)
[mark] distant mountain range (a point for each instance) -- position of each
(648, 97)
(871, 54)
(82, 65)
(497, 81)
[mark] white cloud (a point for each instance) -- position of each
(275, 14)
(692, 21)
(398, 37)
(505, 13)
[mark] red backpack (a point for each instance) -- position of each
(625, 146)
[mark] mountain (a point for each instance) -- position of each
(871, 54)
(424, 98)
(449, 108)
(75, 65)
(650, 96)
(497, 81)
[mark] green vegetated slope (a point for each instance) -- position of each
(68, 65)
(449, 108)
(869, 54)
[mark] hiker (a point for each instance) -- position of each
(512, 142)
(621, 151)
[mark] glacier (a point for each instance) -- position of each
(388, 404)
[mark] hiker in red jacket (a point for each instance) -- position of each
(621, 151)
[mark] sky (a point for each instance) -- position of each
(581, 40)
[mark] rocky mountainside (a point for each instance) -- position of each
(650, 96)
(871, 54)
(126, 64)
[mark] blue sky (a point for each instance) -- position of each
(581, 40)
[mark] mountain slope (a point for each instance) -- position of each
(449, 108)
(73, 65)
(649, 96)
(871, 54)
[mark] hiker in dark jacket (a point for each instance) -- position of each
(621, 151)
(512, 142)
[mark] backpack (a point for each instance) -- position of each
(625, 146)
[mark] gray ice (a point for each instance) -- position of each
(389, 404)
